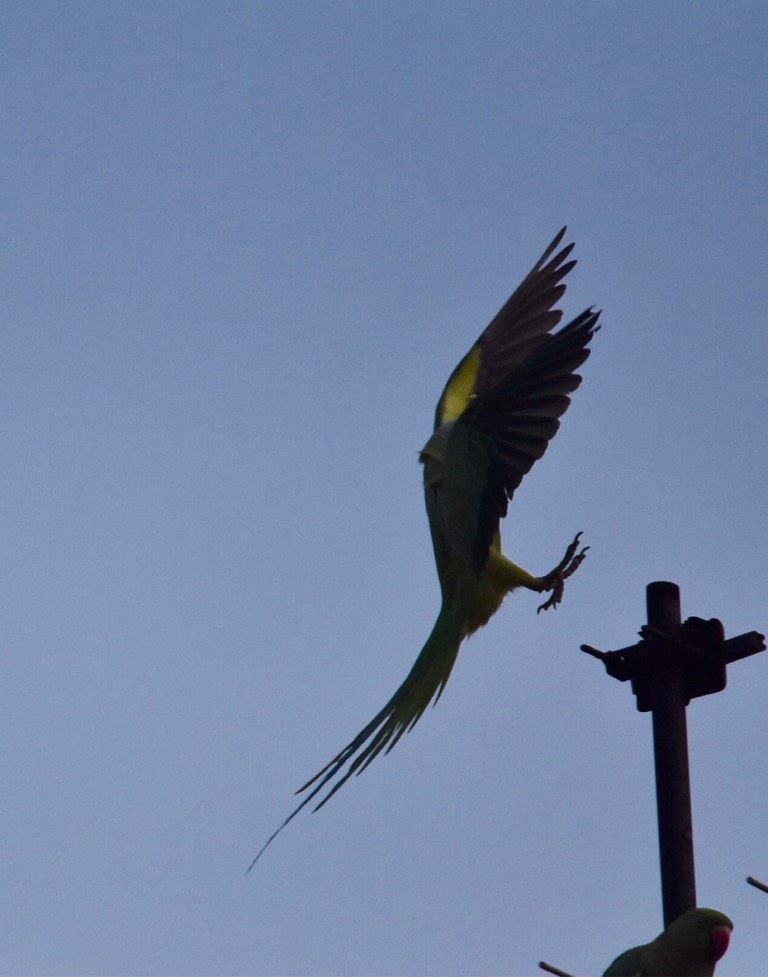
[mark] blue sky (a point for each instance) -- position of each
(244, 246)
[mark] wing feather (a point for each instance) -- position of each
(514, 333)
(520, 416)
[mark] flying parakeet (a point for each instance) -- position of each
(495, 418)
(689, 947)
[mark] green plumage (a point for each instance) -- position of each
(495, 417)
(688, 947)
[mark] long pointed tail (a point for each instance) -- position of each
(424, 683)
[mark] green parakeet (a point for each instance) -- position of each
(496, 416)
(689, 947)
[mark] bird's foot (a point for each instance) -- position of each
(555, 579)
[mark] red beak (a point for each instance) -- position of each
(721, 937)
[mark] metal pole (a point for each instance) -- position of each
(670, 745)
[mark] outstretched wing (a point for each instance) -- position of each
(515, 332)
(519, 417)
(505, 398)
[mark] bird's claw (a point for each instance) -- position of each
(555, 579)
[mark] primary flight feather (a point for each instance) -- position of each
(495, 417)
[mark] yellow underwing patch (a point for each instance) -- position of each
(459, 389)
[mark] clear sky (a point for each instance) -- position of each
(244, 244)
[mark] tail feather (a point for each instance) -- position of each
(424, 684)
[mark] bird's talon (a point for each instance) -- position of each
(555, 580)
(554, 598)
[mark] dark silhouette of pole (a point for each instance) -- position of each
(757, 884)
(670, 749)
(543, 965)
(673, 663)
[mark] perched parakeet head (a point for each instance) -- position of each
(705, 933)
(688, 947)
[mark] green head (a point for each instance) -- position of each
(703, 934)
